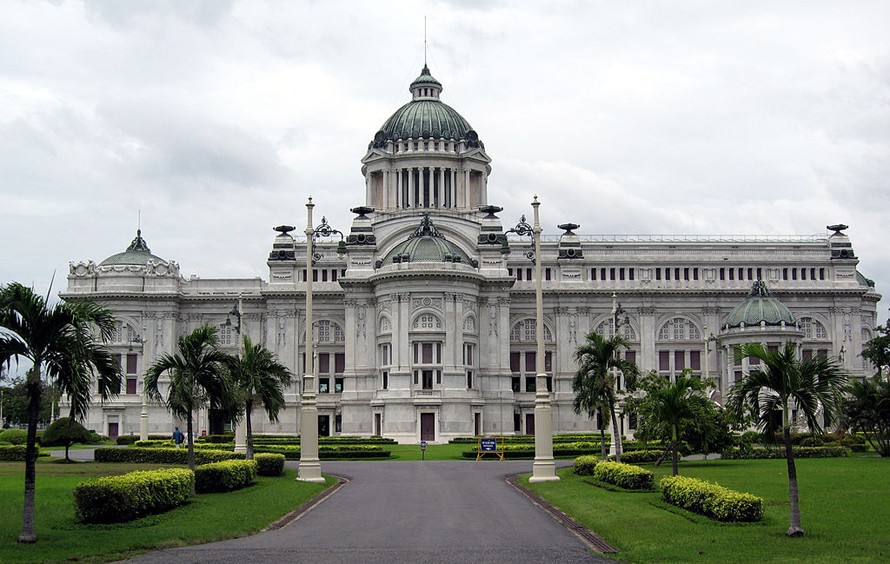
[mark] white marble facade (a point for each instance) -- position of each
(433, 336)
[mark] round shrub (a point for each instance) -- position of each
(269, 464)
(12, 453)
(14, 436)
(584, 465)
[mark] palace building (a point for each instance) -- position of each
(425, 326)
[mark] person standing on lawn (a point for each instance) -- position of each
(177, 437)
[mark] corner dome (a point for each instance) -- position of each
(426, 244)
(137, 254)
(760, 307)
(426, 117)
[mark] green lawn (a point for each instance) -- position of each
(845, 509)
(207, 518)
(433, 452)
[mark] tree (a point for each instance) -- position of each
(594, 382)
(65, 431)
(669, 408)
(198, 375)
(877, 351)
(783, 382)
(64, 342)
(867, 409)
(259, 377)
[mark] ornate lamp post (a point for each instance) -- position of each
(309, 469)
(544, 467)
(240, 428)
(143, 415)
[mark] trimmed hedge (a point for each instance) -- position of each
(14, 436)
(637, 456)
(117, 499)
(269, 464)
(225, 476)
(163, 455)
(623, 475)
(711, 500)
(292, 452)
(13, 453)
(516, 451)
(799, 452)
(584, 465)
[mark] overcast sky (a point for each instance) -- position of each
(217, 119)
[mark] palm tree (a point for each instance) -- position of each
(783, 382)
(669, 406)
(867, 408)
(64, 342)
(594, 382)
(261, 378)
(198, 375)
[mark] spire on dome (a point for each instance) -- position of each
(139, 243)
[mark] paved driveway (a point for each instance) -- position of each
(401, 512)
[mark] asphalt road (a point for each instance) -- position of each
(401, 512)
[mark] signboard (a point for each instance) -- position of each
(490, 445)
(422, 445)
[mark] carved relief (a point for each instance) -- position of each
(435, 303)
(493, 311)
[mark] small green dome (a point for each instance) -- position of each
(137, 254)
(425, 117)
(426, 244)
(759, 307)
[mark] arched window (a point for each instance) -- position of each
(427, 322)
(385, 325)
(606, 329)
(469, 325)
(812, 329)
(329, 332)
(526, 330)
(679, 329)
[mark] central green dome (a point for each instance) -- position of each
(426, 244)
(137, 254)
(425, 117)
(760, 307)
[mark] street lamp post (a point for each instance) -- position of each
(309, 469)
(544, 467)
(143, 415)
(617, 310)
(241, 428)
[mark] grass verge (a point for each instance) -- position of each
(207, 518)
(844, 509)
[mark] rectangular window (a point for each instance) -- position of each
(784, 274)
(807, 354)
(515, 360)
(611, 274)
(385, 354)
(803, 273)
(530, 362)
(131, 386)
(630, 273)
(548, 361)
(667, 273)
(679, 360)
(338, 385)
(427, 379)
(131, 364)
(759, 273)
(546, 274)
(519, 274)
(314, 275)
(695, 274)
(664, 360)
(324, 363)
(602, 273)
(722, 274)
(593, 274)
(695, 360)
(516, 384)
(686, 274)
(530, 384)
(821, 274)
(794, 274)
(469, 379)
(339, 363)
(732, 274)
(324, 385)
(630, 356)
(528, 274)
(621, 274)
(658, 274)
(468, 354)
(324, 275)
(676, 274)
(385, 379)
(334, 279)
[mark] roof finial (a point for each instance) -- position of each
(424, 41)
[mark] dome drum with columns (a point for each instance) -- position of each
(426, 328)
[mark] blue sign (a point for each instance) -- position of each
(422, 445)
(488, 445)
